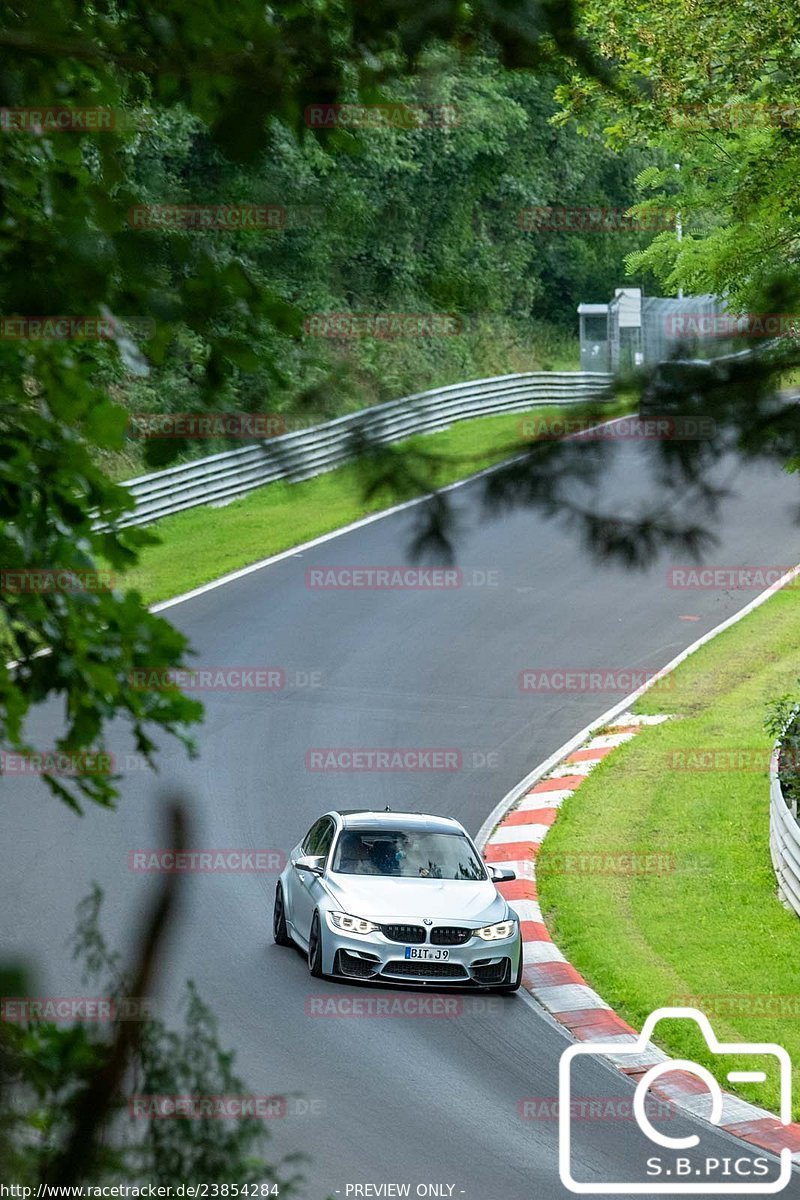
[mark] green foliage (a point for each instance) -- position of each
(715, 91)
(417, 220)
(783, 724)
(45, 1067)
(204, 104)
(191, 1063)
(51, 492)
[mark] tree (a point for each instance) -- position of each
(63, 1113)
(222, 87)
(715, 92)
(67, 248)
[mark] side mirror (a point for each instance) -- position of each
(501, 874)
(314, 864)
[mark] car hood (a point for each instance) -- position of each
(382, 899)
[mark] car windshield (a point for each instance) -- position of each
(407, 853)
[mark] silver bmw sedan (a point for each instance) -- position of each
(399, 898)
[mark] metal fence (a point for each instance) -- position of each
(670, 326)
(784, 839)
(309, 452)
(633, 330)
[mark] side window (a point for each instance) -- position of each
(324, 843)
(313, 836)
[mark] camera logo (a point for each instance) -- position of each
(673, 1172)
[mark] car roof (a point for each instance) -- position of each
(366, 818)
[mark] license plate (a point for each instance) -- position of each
(428, 953)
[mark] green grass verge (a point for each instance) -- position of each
(711, 929)
(204, 543)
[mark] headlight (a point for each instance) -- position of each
(349, 924)
(494, 933)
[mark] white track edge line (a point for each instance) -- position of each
(241, 572)
(605, 718)
(292, 551)
(577, 740)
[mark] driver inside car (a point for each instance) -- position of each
(385, 857)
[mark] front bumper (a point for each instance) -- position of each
(379, 959)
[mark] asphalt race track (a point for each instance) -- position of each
(406, 1100)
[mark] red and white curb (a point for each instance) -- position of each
(562, 990)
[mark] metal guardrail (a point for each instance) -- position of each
(309, 452)
(784, 838)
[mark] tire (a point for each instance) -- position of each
(508, 988)
(280, 931)
(315, 948)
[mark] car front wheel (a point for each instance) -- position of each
(315, 948)
(280, 931)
